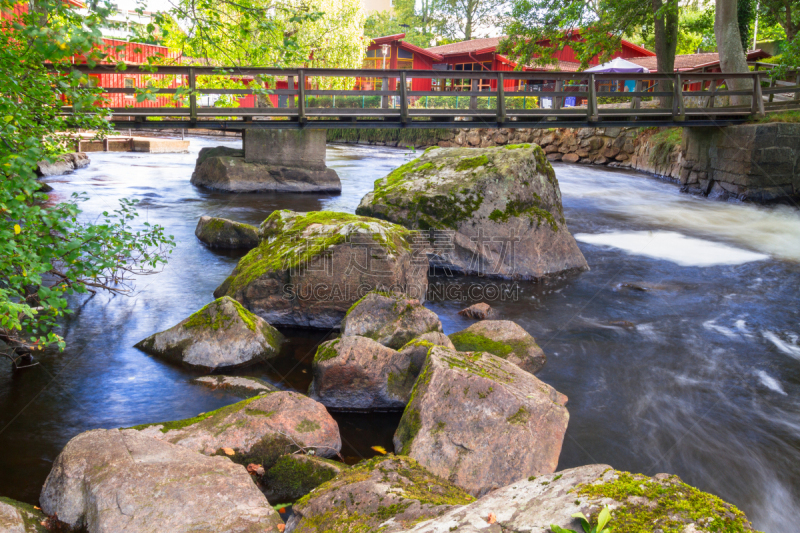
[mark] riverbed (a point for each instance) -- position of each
(679, 350)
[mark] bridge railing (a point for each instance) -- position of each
(403, 98)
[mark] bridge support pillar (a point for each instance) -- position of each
(286, 148)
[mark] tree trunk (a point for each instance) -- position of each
(469, 14)
(666, 42)
(729, 46)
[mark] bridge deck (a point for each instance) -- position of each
(495, 99)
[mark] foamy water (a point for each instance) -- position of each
(672, 246)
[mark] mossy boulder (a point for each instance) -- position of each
(356, 373)
(257, 430)
(638, 503)
(502, 338)
(389, 318)
(225, 169)
(481, 422)
(386, 493)
(18, 517)
(417, 349)
(223, 233)
(295, 475)
(495, 211)
(311, 267)
(222, 334)
(122, 480)
(242, 386)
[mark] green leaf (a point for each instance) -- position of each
(603, 518)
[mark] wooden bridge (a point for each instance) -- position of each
(495, 99)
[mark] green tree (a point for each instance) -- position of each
(785, 13)
(48, 251)
(421, 26)
(463, 17)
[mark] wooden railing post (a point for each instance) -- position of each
(385, 98)
(290, 86)
(636, 101)
(757, 107)
(301, 100)
(591, 101)
(501, 99)
(797, 88)
(558, 100)
(403, 98)
(473, 100)
(678, 108)
(771, 86)
(713, 97)
(192, 95)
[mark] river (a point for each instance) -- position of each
(679, 350)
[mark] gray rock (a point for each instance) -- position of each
(257, 430)
(479, 311)
(662, 502)
(389, 318)
(220, 335)
(383, 492)
(293, 476)
(18, 517)
(481, 422)
(502, 338)
(417, 350)
(225, 169)
(242, 386)
(357, 373)
(63, 164)
(223, 233)
(311, 267)
(121, 480)
(495, 211)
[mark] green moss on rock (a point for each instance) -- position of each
(294, 476)
(472, 163)
(326, 351)
(667, 505)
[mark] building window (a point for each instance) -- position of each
(130, 83)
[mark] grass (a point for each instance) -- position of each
(785, 116)
(663, 143)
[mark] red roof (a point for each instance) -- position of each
(489, 44)
(693, 61)
(388, 39)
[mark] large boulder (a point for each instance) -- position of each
(358, 374)
(226, 169)
(242, 386)
(481, 422)
(383, 492)
(18, 517)
(502, 338)
(223, 233)
(257, 430)
(494, 211)
(220, 335)
(417, 349)
(638, 503)
(121, 480)
(295, 475)
(63, 164)
(390, 319)
(311, 267)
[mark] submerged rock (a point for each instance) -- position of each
(385, 493)
(221, 334)
(18, 517)
(357, 373)
(293, 476)
(121, 480)
(502, 338)
(223, 233)
(638, 503)
(311, 267)
(479, 311)
(226, 169)
(257, 430)
(242, 386)
(481, 422)
(390, 319)
(495, 211)
(63, 164)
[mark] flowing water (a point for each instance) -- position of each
(679, 350)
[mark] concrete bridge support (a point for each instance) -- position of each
(752, 162)
(271, 161)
